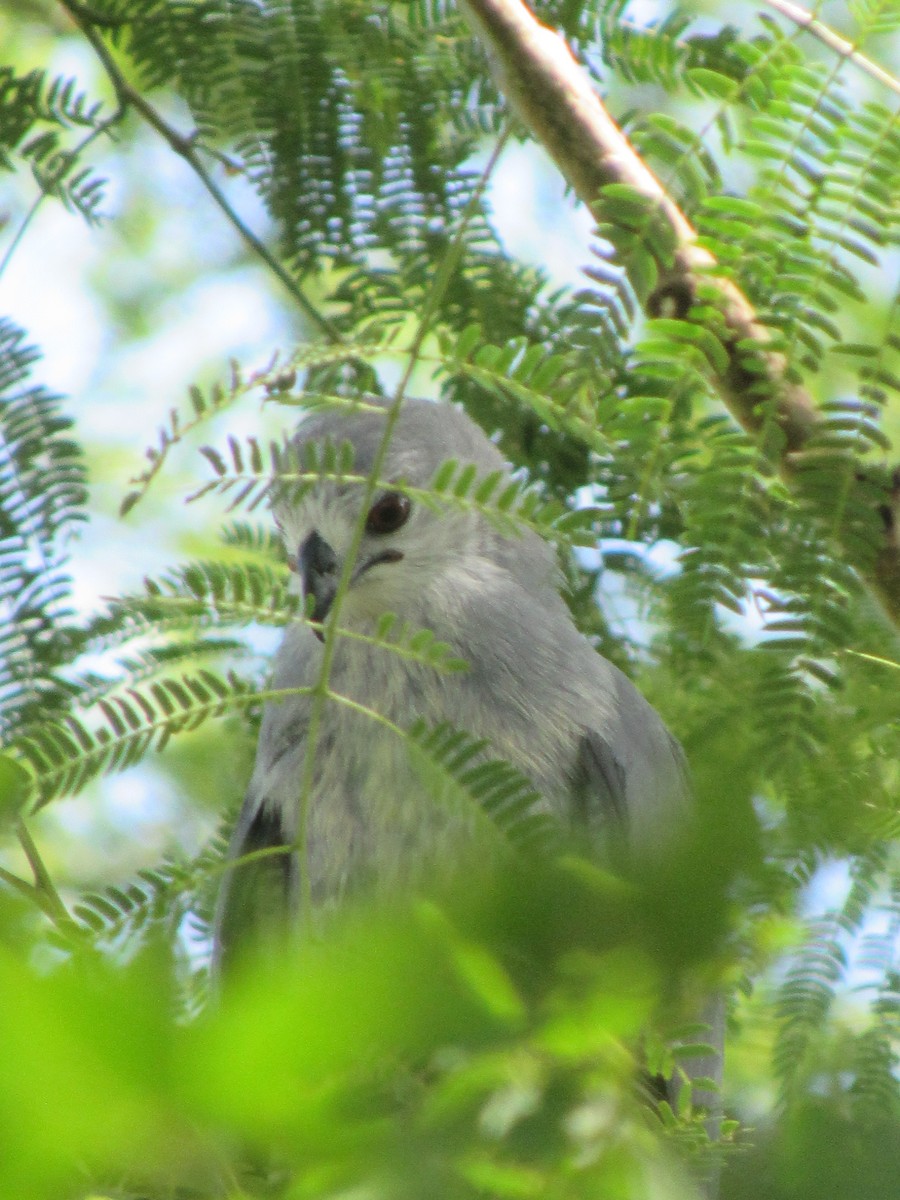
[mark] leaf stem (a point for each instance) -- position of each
(48, 185)
(321, 689)
(43, 890)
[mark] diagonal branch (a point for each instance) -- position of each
(186, 148)
(554, 98)
(834, 41)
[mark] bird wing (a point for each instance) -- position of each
(631, 771)
(258, 895)
(599, 790)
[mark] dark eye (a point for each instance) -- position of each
(389, 513)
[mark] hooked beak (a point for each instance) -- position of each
(317, 565)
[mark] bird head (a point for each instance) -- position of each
(412, 556)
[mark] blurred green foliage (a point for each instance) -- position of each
(496, 1036)
(452, 1045)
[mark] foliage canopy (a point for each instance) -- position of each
(482, 1041)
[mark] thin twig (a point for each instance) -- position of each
(834, 41)
(44, 891)
(47, 188)
(186, 148)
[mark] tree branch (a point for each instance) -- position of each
(834, 41)
(554, 98)
(186, 148)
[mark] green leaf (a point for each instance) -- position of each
(15, 788)
(711, 83)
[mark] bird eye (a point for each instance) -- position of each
(389, 513)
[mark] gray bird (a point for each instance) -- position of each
(535, 688)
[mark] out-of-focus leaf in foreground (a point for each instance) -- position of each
(483, 1042)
